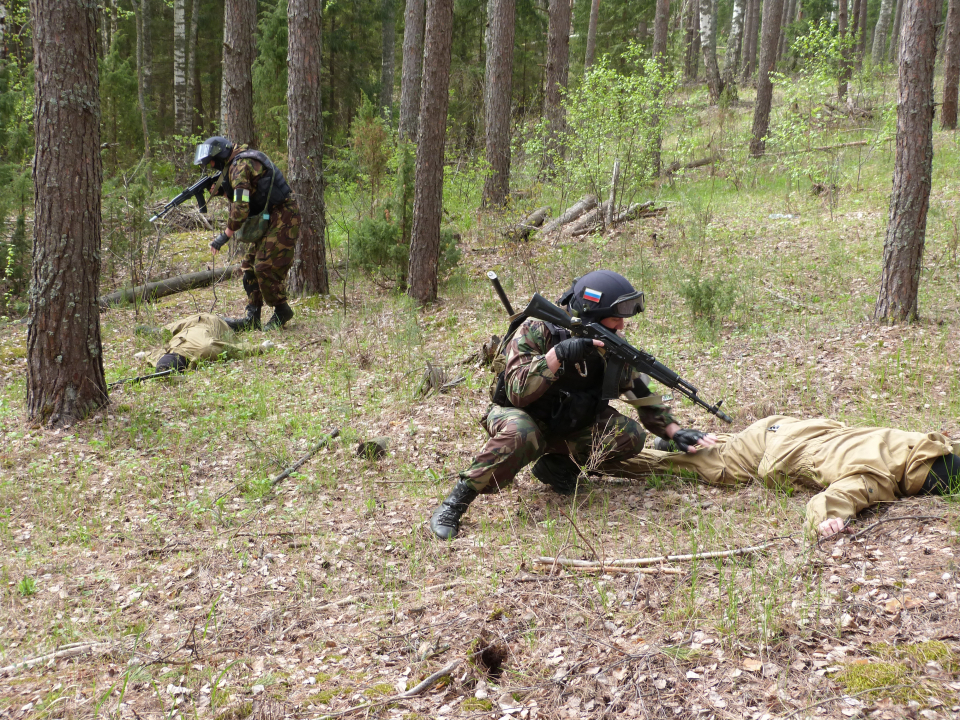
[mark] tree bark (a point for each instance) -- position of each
(661, 30)
(181, 117)
(140, 9)
(693, 40)
(239, 53)
(708, 44)
(388, 37)
(910, 199)
(733, 50)
(3, 30)
(789, 7)
(501, 15)
(862, 27)
(308, 273)
(750, 40)
(428, 192)
(411, 72)
(880, 33)
(895, 35)
(65, 380)
(843, 29)
(951, 68)
(169, 286)
(557, 72)
(592, 35)
(194, 98)
(770, 35)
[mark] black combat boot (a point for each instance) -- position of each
(445, 521)
(251, 321)
(281, 314)
(558, 471)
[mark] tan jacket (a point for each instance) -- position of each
(202, 337)
(858, 466)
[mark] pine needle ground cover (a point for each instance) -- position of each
(149, 569)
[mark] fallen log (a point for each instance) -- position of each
(676, 165)
(533, 221)
(170, 286)
(632, 212)
(587, 203)
(587, 222)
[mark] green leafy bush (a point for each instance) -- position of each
(708, 299)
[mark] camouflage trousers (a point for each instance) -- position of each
(271, 257)
(517, 439)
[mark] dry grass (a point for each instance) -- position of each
(151, 528)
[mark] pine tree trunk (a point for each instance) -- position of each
(789, 8)
(428, 192)
(65, 380)
(388, 37)
(181, 121)
(661, 30)
(501, 26)
(750, 40)
(693, 41)
(557, 72)
(910, 199)
(140, 10)
(104, 17)
(239, 53)
(308, 273)
(708, 44)
(147, 32)
(592, 35)
(880, 34)
(951, 68)
(843, 29)
(733, 49)
(413, 20)
(895, 35)
(862, 27)
(193, 112)
(3, 30)
(770, 36)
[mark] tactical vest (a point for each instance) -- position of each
(258, 200)
(572, 402)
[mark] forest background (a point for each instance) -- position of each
(151, 568)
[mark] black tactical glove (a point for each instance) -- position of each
(687, 439)
(573, 350)
(219, 241)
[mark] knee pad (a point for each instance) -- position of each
(558, 471)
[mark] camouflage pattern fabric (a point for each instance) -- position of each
(528, 377)
(271, 257)
(517, 439)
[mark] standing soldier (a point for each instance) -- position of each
(264, 214)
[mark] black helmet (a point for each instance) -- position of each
(602, 293)
(172, 361)
(215, 148)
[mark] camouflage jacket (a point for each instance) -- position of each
(528, 378)
(242, 177)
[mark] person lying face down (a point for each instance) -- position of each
(198, 337)
(850, 468)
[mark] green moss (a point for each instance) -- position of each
(379, 690)
(899, 674)
(920, 653)
(325, 696)
(476, 704)
(863, 677)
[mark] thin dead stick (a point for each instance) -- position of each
(66, 652)
(302, 461)
(597, 567)
(597, 555)
(428, 683)
(633, 562)
(894, 519)
(840, 697)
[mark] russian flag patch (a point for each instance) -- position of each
(592, 295)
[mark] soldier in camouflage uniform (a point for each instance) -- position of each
(547, 404)
(256, 187)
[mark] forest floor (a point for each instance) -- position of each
(149, 570)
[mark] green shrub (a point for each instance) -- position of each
(708, 299)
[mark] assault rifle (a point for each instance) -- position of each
(194, 191)
(141, 378)
(619, 353)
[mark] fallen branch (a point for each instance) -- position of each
(170, 286)
(587, 203)
(67, 651)
(632, 212)
(300, 463)
(677, 165)
(635, 562)
(894, 519)
(590, 566)
(533, 221)
(428, 682)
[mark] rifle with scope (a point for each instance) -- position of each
(618, 352)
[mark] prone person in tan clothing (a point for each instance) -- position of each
(851, 468)
(196, 338)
